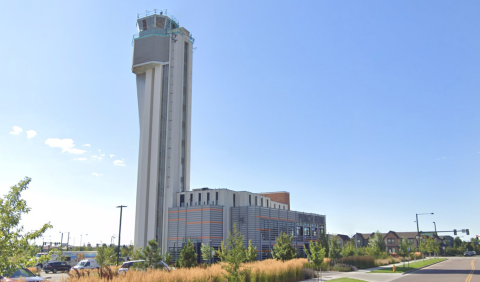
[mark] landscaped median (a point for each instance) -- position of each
(412, 266)
(346, 280)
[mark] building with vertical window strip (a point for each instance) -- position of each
(162, 63)
(166, 209)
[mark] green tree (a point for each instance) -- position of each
(324, 241)
(432, 246)
(283, 249)
(101, 257)
(234, 254)
(457, 242)
(349, 249)
(136, 253)
(188, 257)
(251, 251)
(167, 258)
(316, 254)
(334, 248)
(423, 248)
(13, 241)
(376, 245)
(57, 254)
(404, 249)
(151, 254)
(207, 252)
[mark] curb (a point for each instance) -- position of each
(416, 269)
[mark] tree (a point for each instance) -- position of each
(423, 248)
(106, 255)
(316, 253)
(234, 254)
(136, 253)
(57, 254)
(334, 248)
(188, 257)
(101, 257)
(251, 251)
(457, 242)
(207, 252)
(167, 258)
(376, 245)
(14, 242)
(283, 249)
(349, 249)
(432, 246)
(324, 241)
(151, 254)
(404, 249)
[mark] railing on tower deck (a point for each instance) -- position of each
(160, 32)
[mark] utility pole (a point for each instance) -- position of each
(68, 239)
(119, 231)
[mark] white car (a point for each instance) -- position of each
(23, 274)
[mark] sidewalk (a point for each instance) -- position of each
(362, 274)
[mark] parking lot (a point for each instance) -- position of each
(54, 276)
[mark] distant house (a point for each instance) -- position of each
(393, 238)
(341, 239)
(361, 240)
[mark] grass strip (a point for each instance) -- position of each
(346, 280)
(413, 266)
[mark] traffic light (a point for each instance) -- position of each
(454, 231)
(468, 232)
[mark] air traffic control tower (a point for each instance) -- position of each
(162, 62)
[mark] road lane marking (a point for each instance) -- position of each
(469, 277)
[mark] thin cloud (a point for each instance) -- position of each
(96, 174)
(80, 159)
(119, 162)
(31, 133)
(66, 145)
(443, 158)
(86, 145)
(16, 130)
(112, 155)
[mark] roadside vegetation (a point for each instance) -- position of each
(413, 266)
(346, 280)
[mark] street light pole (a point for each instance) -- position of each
(435, 228)
(68, 240)
(61, 241)
(418, 231)
(119, 231)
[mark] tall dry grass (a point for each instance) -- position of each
(260, 271)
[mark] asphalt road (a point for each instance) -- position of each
(455, 269)
(54, 276)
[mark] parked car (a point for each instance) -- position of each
(469, 253)
(86, 264)
(55, 266)
(23, 274)
(130, 264)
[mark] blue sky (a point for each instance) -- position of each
(365, 111)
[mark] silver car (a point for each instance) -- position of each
(22, 274)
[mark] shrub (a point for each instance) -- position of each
(343, 267)
(361, 262)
